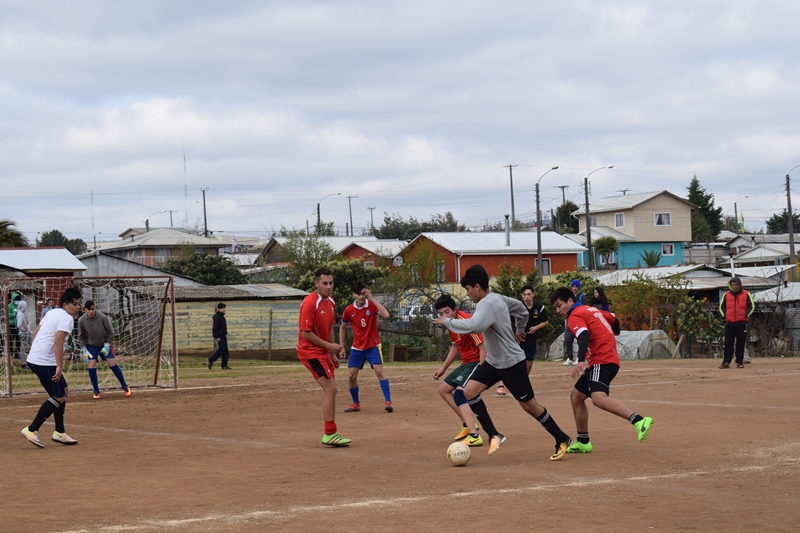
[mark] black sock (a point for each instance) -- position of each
(550, 425)
(635, 417)
(48, 408)
(484, 420)
(58, 417)
(583, 438)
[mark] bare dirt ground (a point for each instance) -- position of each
(243, 453)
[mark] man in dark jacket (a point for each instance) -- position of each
(220, 333)
(736, 306)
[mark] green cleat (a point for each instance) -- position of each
(643, 427)
(579, 447)
(335, 440)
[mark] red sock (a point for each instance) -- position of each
(330, 427)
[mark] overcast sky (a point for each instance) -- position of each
(413, 106)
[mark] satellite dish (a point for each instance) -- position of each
(398, 261)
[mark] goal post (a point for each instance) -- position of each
(141, 310)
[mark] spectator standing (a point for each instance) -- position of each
(24, 329)
(219, 331)
(736, 306)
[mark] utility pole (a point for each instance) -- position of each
(371, 223)
(623, 191)
(590, 264)
(350, 205)
(792, 259)
(511, 179)
(170, 218)
(563, 193)
(205, 217)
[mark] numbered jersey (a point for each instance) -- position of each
(364, 321)
(602, 343)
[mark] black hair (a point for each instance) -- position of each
(69, 295)
(476, 276)
(526, 287)
(221, 305)
(358, 286)
(445, 300)
(322, 271)
(602, 300)
(88, 305)
(562, 293)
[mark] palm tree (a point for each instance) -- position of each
(10, 237)
(651, 258)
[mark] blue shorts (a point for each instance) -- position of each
(374, 356)
(45, 375)
(94, 353)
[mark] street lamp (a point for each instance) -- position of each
(588, 222)
(539, 226)
(736, 213)
(319, 217)
(147, 220)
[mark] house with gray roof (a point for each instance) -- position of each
(155, 247)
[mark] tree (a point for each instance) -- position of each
(395, 227)
(211, 269)
(605, 246)
(305, 253)
(779, 222)
(651, 258)
(509, 280)
(10, 237)
(566, 222)
(701, 230)
(705, 205)
(56, 238)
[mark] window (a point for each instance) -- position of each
(413, 270)
(592, 221)
(545, 266)
(663, 219)
(369, 263)
(667, 249)
(619, 220)
(439, 271)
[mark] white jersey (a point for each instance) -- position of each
(43, 350)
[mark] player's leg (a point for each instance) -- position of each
(530, 355)
(111, 359)
(55, 403)
(741, 338)
(375, 357)
(599, 379)
(92, 369)
(482, 377)
(223, 346)
(323, 371)
(730, 337)
(355, 362)
(580, 412)
(519, 385)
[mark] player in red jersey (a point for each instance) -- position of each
(598, 348)
(362, 315)
(321, 357)
(473, 353)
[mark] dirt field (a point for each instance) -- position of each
(244, 454)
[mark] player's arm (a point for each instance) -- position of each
(342, 331)
(332, 347)
(482, 350)
(58, 348)
(751, 304)
(35, 331)
(382, 311)
(543, 319)
(451, 356)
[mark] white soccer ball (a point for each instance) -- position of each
(458, 453)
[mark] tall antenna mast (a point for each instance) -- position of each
(185, 192)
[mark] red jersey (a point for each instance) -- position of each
(317, 314)
(602, 343)
(467, 344)
(364, 321)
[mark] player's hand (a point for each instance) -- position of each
(85, 355)
(438, 320)
(578, 369)
(520, 336)
(438, 374)
(369, 294)
(532, 330)
(57, 376)
(105, 350)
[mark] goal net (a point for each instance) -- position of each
(141, 310)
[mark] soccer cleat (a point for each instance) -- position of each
(96, 395)
(643, 427)
(495, 442)
(579, 447)
(740, 366)
(501, 391)
(354, 407)
(389, 407)
(725, 365)
(210, 364)
(567, 362)
(63, 438)
(469, 440)
(127, 391)
(335, 440)
(32, 436)
(464, 432)
(561, 450)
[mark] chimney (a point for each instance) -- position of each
(508, 232)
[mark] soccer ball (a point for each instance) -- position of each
(458, 454)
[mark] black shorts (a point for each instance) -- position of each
(596, 378)
(530, 351)
(515, 379)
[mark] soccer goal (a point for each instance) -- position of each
(141, 310)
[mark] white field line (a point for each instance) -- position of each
(219, 520)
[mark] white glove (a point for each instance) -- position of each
(85, 354)
(105, 350)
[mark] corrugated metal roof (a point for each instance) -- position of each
(522, 242)
(265, 291)
(382, 247)
(163, 237)
(626, 201)
(605, 231)
(242, 259)
(790, 293)
(764, 251)
(46, 259)
(759, 271)
(699, 277)
(338, 243)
